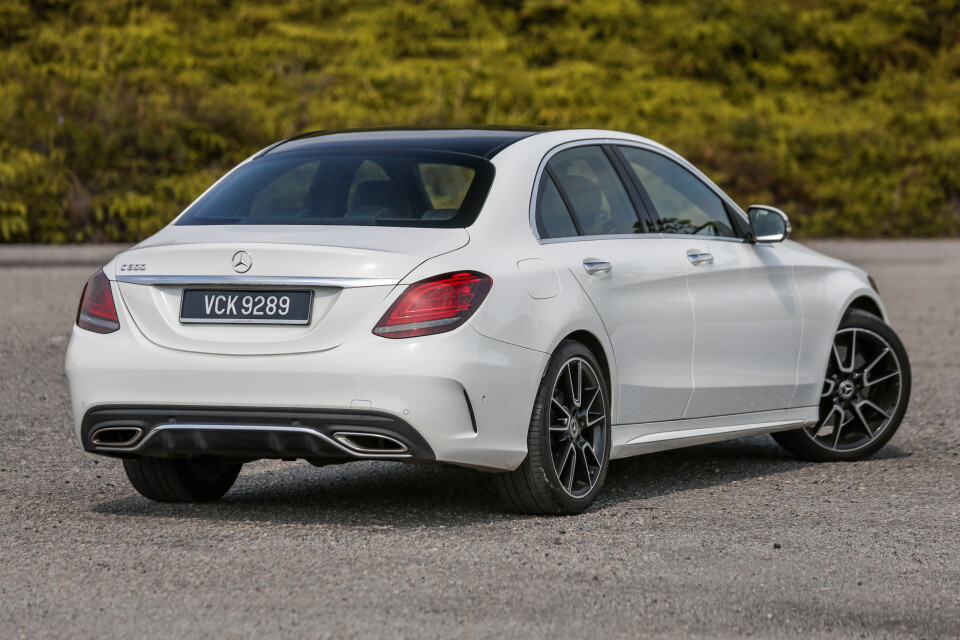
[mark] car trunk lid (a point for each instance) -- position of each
(349, 270)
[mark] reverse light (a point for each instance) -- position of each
(435, 305)
(97, 311)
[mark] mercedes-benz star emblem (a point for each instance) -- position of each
(242, 262)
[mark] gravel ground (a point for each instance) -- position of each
(719, 541)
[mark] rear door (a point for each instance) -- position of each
(585, 217)
(748, 313)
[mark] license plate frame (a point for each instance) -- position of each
(195, 308)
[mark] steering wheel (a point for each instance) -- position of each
(707, 225)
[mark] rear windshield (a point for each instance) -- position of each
(395, 188)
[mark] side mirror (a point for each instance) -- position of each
(769, 224)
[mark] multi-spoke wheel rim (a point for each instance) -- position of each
(578, 427)
(861, 391)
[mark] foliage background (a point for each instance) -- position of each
(115, 114)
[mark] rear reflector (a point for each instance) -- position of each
(97, 311)
(435, 305)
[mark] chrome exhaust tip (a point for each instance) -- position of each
(116, 436)
(370, 443)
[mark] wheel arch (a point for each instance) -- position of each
(601, 350)
(860, 299)
(820, 328)
(866, 304)
(593, 344)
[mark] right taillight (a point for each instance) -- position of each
(97, 311)
(435, 305)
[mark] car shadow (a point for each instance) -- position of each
(652, 476)
(365, 494)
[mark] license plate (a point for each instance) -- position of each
(245, 307)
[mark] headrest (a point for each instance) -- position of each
(368, 195)
(585, 196)
(439, 214)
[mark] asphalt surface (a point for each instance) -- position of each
(719, 541)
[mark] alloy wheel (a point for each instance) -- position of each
(577, 427)
(861, 392)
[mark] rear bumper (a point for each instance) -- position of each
(250, 434)
(464, 398)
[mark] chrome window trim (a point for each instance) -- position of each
(619, 236)
(257, 281)
(663, 151)
(711, 238)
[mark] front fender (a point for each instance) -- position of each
(826, 293)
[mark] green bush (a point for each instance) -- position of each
(114, 114)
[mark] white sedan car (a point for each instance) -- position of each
(530, 303)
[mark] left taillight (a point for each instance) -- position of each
(97, 311)
(435, 305)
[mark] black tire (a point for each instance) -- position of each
(809, 444)
(535, 486)
(173, 480)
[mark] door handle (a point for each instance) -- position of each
(699, 259)
(594, 266)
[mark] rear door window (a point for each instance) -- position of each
(553, 216)
(590, 186)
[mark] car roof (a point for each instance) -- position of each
(484, 142)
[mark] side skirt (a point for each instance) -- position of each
(648, 437)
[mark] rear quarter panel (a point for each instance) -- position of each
(500, 239)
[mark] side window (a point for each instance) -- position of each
(553, 217)
(594, 191)
(684, 203)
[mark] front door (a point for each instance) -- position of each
(748, 313)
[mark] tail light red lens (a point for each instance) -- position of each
(435, 305)
(97, 311)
